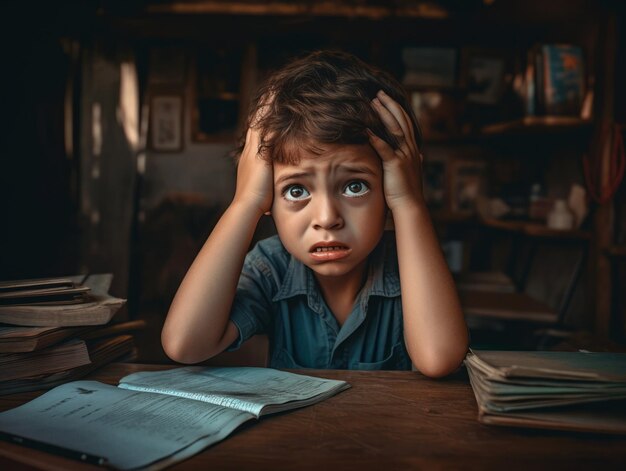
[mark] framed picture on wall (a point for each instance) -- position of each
(166, 123)
(483, 75)
(433, 67)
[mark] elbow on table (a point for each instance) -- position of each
(440, 364)
(438, 370)
(176, 352)
(180, 352)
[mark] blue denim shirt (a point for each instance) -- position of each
(277, 295)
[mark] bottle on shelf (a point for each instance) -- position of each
(561, 217)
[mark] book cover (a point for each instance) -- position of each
(563, 79)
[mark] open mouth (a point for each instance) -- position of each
(330, 251)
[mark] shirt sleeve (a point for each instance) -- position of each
(251, 309)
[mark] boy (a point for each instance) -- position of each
(332, 148)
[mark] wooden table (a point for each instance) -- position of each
(388, 420)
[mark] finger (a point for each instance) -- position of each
(252, 139)
(263, 107)
(412, 141)
(395, 109)
(391, 123)
(402, 120)
(388, 119)
(384, 150)
(401, 116)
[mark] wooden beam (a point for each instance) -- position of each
(601, 148)
(283, 8)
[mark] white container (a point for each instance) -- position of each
(560, 217)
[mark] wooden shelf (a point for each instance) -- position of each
(530, 125)
(506, 307)
(534, 229)
(538, 230)
(291, 8)
(504, 225)
(537, 125)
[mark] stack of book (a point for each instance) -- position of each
(578, 391)
(58, 329)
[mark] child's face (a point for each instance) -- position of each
(330, 209)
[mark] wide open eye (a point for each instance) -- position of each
(295, 193)
(355, 189)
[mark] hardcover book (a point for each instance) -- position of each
(563, 81)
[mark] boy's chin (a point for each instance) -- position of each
(332, 269)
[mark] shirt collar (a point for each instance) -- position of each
(383, 278)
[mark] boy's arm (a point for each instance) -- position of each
(434, 327)
(197, 326)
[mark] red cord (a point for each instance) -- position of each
(600, 193)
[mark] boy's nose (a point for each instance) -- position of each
(326, 214)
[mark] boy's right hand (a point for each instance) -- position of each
(255, 176)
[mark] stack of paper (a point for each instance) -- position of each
(561, 390)
(52, 330)
(70, 301)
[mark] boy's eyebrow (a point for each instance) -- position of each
(291, 176)
(358, 169)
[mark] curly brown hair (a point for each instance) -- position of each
(322, 98)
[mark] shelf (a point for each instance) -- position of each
(534, 229)
(503, 225)
(537, 125)
(530, 125)
(538, 230)
(289, 8)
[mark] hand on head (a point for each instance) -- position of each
(402, 167)
(255, 180)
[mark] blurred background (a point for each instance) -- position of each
(119, 119)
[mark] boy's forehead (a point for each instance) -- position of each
(333, 155)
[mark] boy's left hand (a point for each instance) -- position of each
(402, 167)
